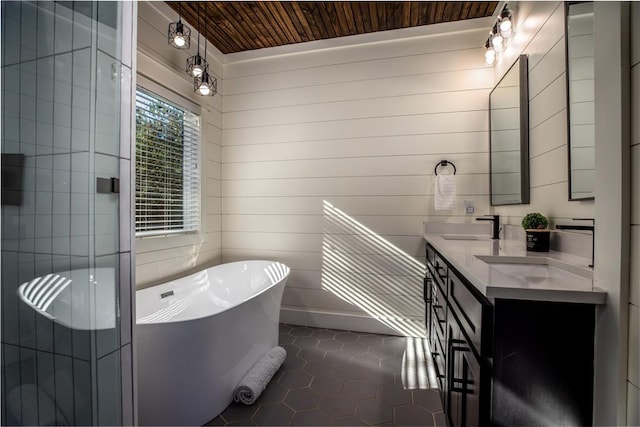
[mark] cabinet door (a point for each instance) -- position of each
(463, 380)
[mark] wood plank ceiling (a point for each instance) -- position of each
(237, 26)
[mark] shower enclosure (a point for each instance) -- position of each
(68, 70)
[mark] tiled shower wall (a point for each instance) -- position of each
(64, 68)
(633, 378)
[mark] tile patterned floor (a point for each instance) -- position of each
(340, 378)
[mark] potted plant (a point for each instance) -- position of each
(535, 225)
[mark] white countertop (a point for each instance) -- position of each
(576, 286)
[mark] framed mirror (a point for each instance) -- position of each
(580, 99)
(509, 137)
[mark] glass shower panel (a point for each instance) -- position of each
(65, 277)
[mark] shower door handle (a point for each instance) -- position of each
(107, 185)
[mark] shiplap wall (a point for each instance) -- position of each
(328, 161)
(162, 258)
(540, 34)
(633, 379)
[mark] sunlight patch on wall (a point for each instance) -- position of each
(369, 272)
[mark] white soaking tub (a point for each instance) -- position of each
(198, 335)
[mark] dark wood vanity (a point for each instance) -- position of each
(507, 361)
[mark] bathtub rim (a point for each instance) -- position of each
(244, 301)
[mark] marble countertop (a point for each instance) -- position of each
(572, 283)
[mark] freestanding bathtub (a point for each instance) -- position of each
(198, 335)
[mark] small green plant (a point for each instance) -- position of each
(534, 221)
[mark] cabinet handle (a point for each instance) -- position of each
(425, 290)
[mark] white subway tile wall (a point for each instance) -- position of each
(54, 97)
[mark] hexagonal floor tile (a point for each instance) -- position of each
(337, 405)
(366, 360)
(354, 347)
(326, 384)
(284, 328)
(311, 353)
(349, 420)
(295, 379)
(323, 334)
(301, 331)
(277, 414)
(360, 389)
(238, 411)
(292, 363)
(285, 339)
(428, 399)
(346, 337)
(275, 392)
(374, 411)
(370, 340)
(394, 395)
(412, 415)
(319, 367)
(303, 342)
(312, 417)
(339, 356)
(302, 399)
(330, 344)
(348, 371)
(217, 421)
(440, 420)
(379, 376)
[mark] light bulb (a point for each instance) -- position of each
(197, 71)
(506, 28)
(490, 56)
(178, 40)
(204, 89)
(505, 25)
(497, 43)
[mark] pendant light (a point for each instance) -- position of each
(205, 84)
(179, 34)
(196, 63)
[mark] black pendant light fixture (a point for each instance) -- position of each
(205, 84)
(196, 63)
(179, 34)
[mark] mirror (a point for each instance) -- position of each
(509, 137)
(580, 100)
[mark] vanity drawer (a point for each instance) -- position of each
(474, 312)
(438, 309)
(437, 267)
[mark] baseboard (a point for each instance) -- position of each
(335, 320)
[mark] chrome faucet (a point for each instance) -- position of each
(495, 233)
(591, 228)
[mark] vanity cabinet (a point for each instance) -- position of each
(504, 361)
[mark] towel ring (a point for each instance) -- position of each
(444, 163)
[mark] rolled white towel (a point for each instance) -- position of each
(256, 379)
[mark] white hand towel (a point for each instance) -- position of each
(445, 192)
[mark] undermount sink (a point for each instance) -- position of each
(535, 267)
(462, 237)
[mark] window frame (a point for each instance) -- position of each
(171, 97)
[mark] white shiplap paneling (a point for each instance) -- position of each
(162, 258)
(328, 158)
(541, 37)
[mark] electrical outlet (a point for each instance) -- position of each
(468, 207)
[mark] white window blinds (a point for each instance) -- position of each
(167, 176)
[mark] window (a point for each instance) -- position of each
(167, 178)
